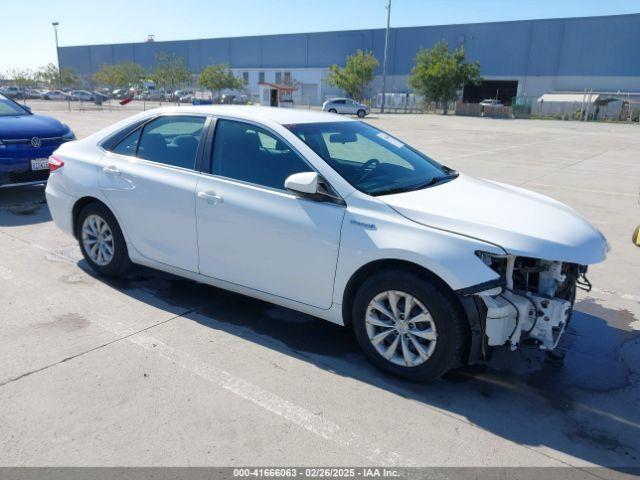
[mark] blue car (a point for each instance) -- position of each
(26, 141)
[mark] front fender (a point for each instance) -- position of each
(389, 236)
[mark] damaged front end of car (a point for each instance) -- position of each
(531, 303)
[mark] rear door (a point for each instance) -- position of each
(351, 107)
(149, 179)
(340, 106)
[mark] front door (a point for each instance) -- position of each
(254, 233)
(149, 179)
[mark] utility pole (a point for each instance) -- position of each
(384, 61)
(55, 29)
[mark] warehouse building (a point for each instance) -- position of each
(529, 57)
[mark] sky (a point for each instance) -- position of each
(27, 37)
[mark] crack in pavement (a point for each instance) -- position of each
(46, 367)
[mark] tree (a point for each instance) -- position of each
(219, 77)
(65, 79)
(128, 74)
(107, 75)
(120, 75)
(356, 74)
(170, 71)
(439, 74)
(23, 78)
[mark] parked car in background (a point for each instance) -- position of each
(491, 102)
(55, 95)
(241, 100)
(179, 95)
(346, 105)
(26, 142)
(332, 217)
(34, 93)
(227, 98)
(14, 92)
(152, 96)
(82, 95)
(99, 97)
(120, 93)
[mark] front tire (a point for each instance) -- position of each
(409, 325)
(101, 241)
(333, 110)
(361, 113)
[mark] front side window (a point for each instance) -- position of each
(372, 161)
(170, 140)
(245, 152)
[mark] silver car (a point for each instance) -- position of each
(345, 105)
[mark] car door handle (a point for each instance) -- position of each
(211, 197)
(111, 170)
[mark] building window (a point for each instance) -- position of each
(287, 77)
(278, 77)
(245, 78)
(261, 77)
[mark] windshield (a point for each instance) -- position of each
(372, 161)
(9, 108)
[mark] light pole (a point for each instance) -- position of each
(384, 61)
(55, 29)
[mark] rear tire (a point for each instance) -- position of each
(101, 241)
(361, 113)
(430, 336)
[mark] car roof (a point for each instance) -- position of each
(283, 116)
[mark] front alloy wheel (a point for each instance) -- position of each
(409, 323)
(401, 328)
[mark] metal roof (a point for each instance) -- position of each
(591, 46)
(568, 98)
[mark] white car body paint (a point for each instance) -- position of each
(298, 253)
(522, 222)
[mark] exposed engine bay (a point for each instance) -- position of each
(536, 302)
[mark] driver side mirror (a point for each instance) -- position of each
(305, 183)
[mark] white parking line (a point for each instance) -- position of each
(257, 395)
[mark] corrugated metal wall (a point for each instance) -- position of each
(596, 46)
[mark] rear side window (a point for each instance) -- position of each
(129, 145)
(245, 152)
(170, 140)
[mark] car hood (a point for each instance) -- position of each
(521, 222)
(27, 126)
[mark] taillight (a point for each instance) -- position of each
(55, 163)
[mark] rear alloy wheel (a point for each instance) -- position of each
(409, 325)
(97, 240)
(361, 113)
(101, 240)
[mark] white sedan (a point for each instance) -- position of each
(332, 217)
